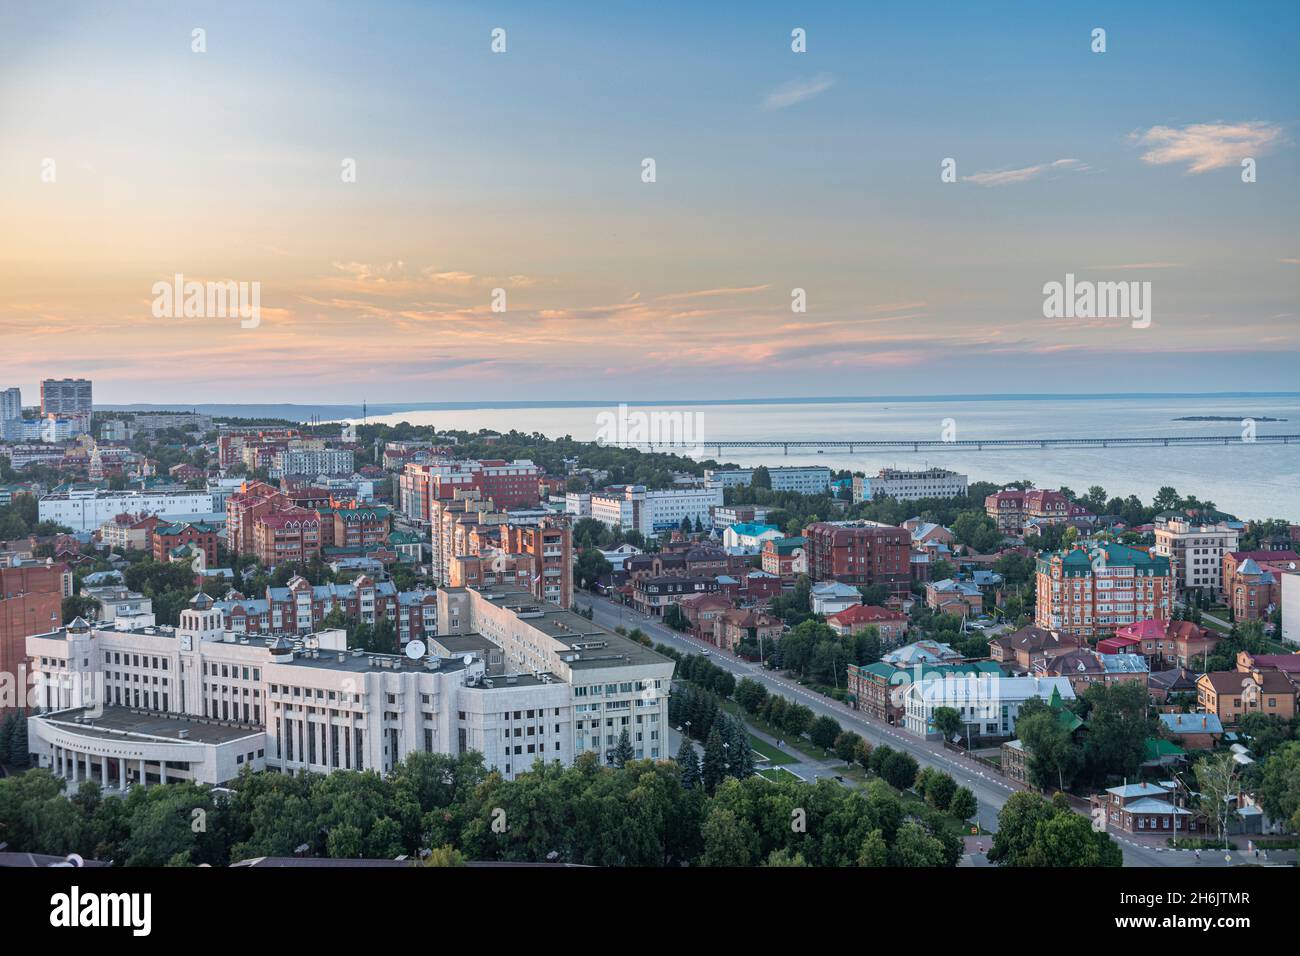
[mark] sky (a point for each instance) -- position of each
(126, 158)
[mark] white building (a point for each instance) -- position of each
(633, 508)
(87, 509)
(831, 597)
(1195, 546)
(987, 704)
(910, 485)
(514, 679)
(748, 537)
(313, 462)
(116, 601)
(1291, 608)
(811, 480)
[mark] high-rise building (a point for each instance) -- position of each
(31, 598)
(1195, 543)
(1093, 589)
(11, 414)
(64, 397)
(861, 553)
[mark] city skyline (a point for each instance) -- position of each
(522, 171)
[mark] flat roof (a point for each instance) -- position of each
(116, 721)
(571, 628)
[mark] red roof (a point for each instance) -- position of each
(865, 614)
(1152, 629)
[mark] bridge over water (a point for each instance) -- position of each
(852, 446)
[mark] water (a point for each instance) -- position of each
(1249, 480)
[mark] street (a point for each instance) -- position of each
(990, 789)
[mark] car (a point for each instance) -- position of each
(978, 625)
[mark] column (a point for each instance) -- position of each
(162, 771)
(90, 772)
(142, 779)
(121, 773)
(75, 767)
(103, 772)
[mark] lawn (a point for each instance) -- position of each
(777, 774)
(773, 755)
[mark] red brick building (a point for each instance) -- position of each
(891, 624)
(859, 553)
(202, 536)
(288, 535)
(31, 600)
(1012, 508)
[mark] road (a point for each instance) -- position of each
(990, 788)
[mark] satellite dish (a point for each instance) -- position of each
(468, 659)
(415, 650)
(75, 859)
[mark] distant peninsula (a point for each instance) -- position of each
(1227, 418)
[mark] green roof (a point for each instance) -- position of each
(1157, 747)
(1078, 561)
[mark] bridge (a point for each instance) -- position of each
(852, 446)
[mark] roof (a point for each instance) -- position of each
(1180, 724)
(865, 614)
(1139, 790)
(921, 652)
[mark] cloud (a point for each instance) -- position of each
(704, 293)
(1005, 177)
(796, 91)
(1206, 146)
(1290, 262)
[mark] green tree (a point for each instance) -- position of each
(963, 805)
(689, 763)
(947, 721)
(715, 761)
(623, 750)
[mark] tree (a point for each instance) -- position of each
(79, 605)
(1054, 758)
(875, 851)
(623, 750)
(688, 761)
(728, 840)
(1033, 831)
(847, 745)
(947, 721)
(19, 758)
(823, 732)
(963, 805)
(939, 792)
(444, 856)
(1216, 781)
(1279, 789)
(915, 847)
(751, 695)
(715, 761)
(899, 770)
(1118, 727)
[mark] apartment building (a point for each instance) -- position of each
(1012, 509)
(904, 485)
(86, 509)
(129, 532)
(633, 508)
(859, 553)
(200, 535)
(31, 599)
(1196, 543)
(1093, 589)
(69, 399)
(290, 535)
(811, 480)
(313, 461)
